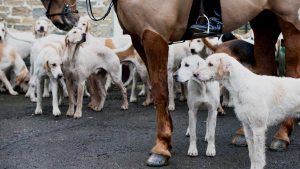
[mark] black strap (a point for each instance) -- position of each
(90, 10)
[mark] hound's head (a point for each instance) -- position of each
(41, 27)
(196, 46)
(2, 31)
(75, 36)
(216, 67)
(84, 24)
(53, 66)
(22, 79)
(187, 67)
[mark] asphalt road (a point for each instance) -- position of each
(117, 139)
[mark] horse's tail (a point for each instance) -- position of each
(208, 44)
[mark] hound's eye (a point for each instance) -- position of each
(83, 24)
(54, 64)
(3, 30)
(74, 32)
(186, 65)
(210, 64)
(198, 41)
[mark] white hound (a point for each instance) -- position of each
(11, 59)
(82, 60)
(199, 93)
(48, 65)
(259, 101)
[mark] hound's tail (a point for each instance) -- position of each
(208, 44)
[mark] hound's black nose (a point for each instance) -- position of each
(59, 76)
(193, 51)
(42, 29)
(195, 74)
(175, 76)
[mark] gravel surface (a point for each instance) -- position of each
(117, 139)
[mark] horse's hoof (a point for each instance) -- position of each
(239, 140)
(279, 145)
(157, 160)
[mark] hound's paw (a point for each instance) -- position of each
(77, 114)
(211, 151)
(56, 113)
(171, 107)
(33, 99)
(38, 111)
(132, 100)
(124, 107)
(70, 113)
(187, 134)
(146, 103)
(14, 93)
(46, 94)
(193, 152)
(96, 107)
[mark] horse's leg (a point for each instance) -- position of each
(154, 53)
(266, 30)
(292, 44)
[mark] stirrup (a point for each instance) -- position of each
(203, 16)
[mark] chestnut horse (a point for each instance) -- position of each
(152, 24)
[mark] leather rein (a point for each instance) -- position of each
(67, 9)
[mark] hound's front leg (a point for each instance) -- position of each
(192, 132)
(80, 92)
(259, 147)
(54, 89)
(71, 98)
(249, 139)
(211, 128)
(39, 85)
(7, 84)
(64, 87)
(46, 92)
(133, 98)
(171, 106)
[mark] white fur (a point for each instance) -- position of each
(138, 68)
(48, 64)
(299, 14)
(198, 47)
(120, 43)
(90, 58)
(176, 53)
(199, 93)
(259, 101)
(23, 41)
(11, 59)
(35, 51)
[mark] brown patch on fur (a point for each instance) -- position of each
(46, 66)
(125, 54)
(13, 55)
(22, 76)
(109, 43)
(122, 55)
(222, 69)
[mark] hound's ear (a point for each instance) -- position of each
(223, 68)
(46, 66)
(66, 41)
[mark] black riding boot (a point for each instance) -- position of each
(215, 25)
